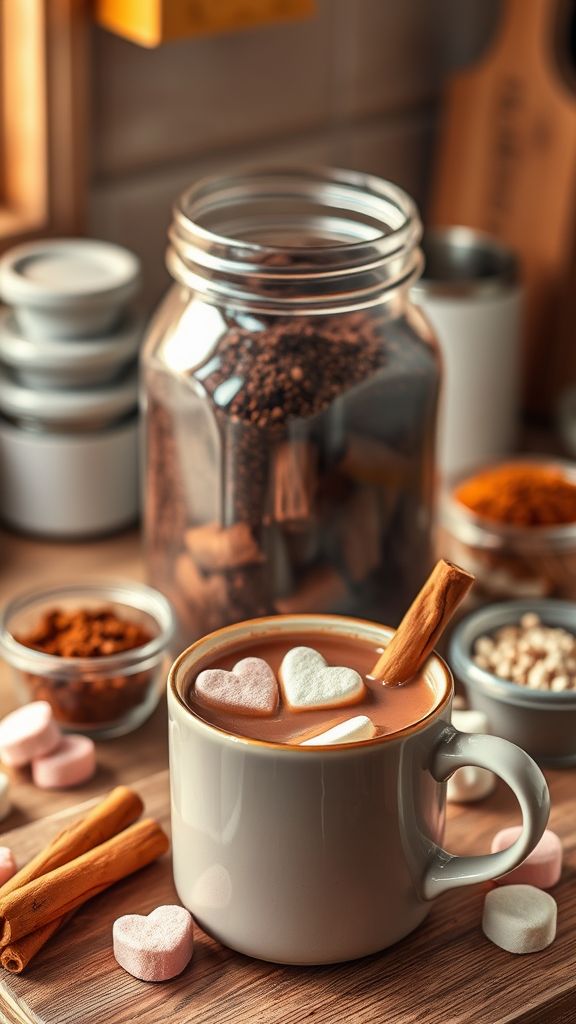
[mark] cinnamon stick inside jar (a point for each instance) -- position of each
(55, 894)
(423, 624)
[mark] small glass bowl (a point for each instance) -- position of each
(510, 561)
(542, 722)
(101, 696)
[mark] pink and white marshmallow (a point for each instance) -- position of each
(519, 918)
(157, 947)
(30, 731)
(4, 795)
(542, 868)
(7, 864)
(353, 730)
(249, 689)
(309, 682)
(72, 763)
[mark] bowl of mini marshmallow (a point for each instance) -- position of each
(517, 663)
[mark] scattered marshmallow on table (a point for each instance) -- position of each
(542, 868)
(4, 795)
(469, 721)
(309, 682)
(7, 864)
(249, 689)
(353, 730)
(519, 918)
(73, 762)
(157, 947)
(30, 731)
(470, 783)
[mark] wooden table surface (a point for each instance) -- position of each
(25, 563)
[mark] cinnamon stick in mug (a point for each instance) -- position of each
(423, 624)
(69, 886)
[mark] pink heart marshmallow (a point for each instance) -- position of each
(249, 689)
(157, 947)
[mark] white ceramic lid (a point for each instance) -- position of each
(81, 410)
(20, 352)
(70, 271)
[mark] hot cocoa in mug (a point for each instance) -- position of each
(291, 847)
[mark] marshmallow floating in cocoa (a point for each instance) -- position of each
(307, 681)
(541, 868)
(353, 730)
(157, 947)
(519, 918)
(28, 732)
(249, 689)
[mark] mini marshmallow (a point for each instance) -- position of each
(519, 918)
(4, 795)
(470, 784)
(353, 730)
(7, 864)
(542, 868)
(309, 682)
(72, 763)
(249, 689)
(157, 947)
(30, 731)
(469, 721)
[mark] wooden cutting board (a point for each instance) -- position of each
(445, 973)
(506, 164)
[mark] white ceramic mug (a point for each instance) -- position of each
(308, 855)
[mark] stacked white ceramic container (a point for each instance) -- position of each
(69, 340)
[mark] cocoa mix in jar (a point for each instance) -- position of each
(290, 392)
(292, 471)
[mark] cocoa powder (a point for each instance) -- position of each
(87, 697)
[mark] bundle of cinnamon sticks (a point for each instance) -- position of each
(78, 863)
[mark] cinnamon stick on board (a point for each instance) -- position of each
(17, 955)
(69, 886)
(423, 624)
(121, 807)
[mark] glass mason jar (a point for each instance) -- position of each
(290, 393)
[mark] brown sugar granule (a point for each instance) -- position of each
(88, 697)
(520, 494)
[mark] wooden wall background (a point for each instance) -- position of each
(358, 86)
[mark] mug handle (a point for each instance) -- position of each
(521, 773)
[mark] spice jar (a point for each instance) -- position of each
(290, 399)
(513, 525)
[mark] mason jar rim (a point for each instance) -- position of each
(295, 235)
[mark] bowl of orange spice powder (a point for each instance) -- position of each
(513, 524)
(94, 651)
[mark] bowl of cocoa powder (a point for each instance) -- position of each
(94, 651)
